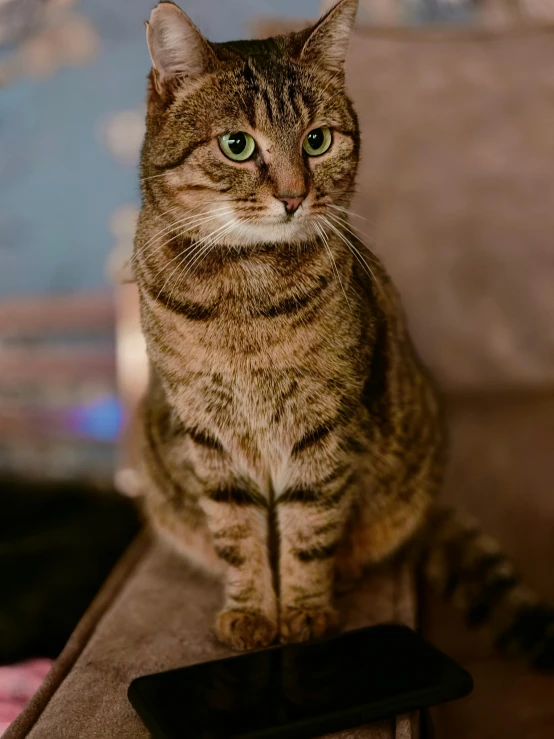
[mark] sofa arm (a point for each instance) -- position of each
(155, 614)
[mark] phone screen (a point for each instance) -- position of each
(300, 690)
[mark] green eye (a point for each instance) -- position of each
(238, 146)
(318, 141)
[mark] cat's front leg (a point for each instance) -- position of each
(238, 520)
(311, 523)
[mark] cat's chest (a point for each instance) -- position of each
(260, 401)
(258, 358)
(257, 387)
(259, 417)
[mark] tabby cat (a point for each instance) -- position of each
(290, 435)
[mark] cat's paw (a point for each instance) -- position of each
(302, 624)
(245, 630)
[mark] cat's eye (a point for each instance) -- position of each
(318, 141)
(238, 146)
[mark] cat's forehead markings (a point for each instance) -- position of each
(283, 106)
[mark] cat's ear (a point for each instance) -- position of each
(327, 43)
(177, 48)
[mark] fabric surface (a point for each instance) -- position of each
(65, 662)
(162, 618)
(457, 183)
(502, 472)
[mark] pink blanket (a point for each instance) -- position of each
(18, 683)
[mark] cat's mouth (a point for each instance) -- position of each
(272, 228)
(290, 217)
(294, 222)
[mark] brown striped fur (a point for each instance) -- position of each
(289, 433)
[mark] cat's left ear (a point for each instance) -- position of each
(327, 43)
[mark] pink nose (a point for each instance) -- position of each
(292, 203)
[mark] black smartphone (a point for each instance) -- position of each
(299, 691)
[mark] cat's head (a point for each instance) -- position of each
(249, 142)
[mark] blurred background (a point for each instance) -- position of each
(72, 85)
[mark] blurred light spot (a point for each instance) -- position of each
(122, 226)
(101, 420)
(123, 133)
(61, 39)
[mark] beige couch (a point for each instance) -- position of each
(457, 184)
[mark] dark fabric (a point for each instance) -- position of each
(58, 542)
(23, 724)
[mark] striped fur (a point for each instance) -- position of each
(289, 434)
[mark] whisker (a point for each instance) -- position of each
(165, 229)
(332, 260)
(184, 220)
(153, 177)
(348, 191)
(203, 251)
(197, 254)
(182, 257)
(355, 252)
(357, 234)
(350, 213)
(220, 234)
(183, 253)
(209, 240)
(189, 221)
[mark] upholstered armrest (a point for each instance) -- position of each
(155, 614)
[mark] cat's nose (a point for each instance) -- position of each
(291, 202)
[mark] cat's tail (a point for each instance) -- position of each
(470, 569)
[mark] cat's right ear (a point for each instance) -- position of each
(177, 48)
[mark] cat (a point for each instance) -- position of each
(290, 437)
